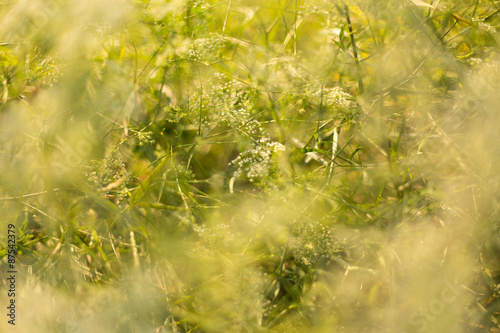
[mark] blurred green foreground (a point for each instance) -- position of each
(250, 166)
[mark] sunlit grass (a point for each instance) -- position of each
(295, 166)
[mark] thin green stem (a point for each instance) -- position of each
(227, 15)
(354, 49)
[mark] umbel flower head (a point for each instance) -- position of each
(258, 164)
(337, 102)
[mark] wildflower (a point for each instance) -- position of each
(313, 242)
(337, 101)
(258, 164)
(206, 49)
(109, 175)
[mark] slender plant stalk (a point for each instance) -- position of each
(227, 15)
(295, 31)
(354, 49)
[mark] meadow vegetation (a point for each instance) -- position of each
(251, 166)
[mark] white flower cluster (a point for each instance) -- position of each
(338, 102)
(257, 164)
(241, 120)
(231, 103)
(110, 170)
(206, 49)
(314, 242)
(484, 78)
(228, 102)
(483, 26)
(214, 237)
